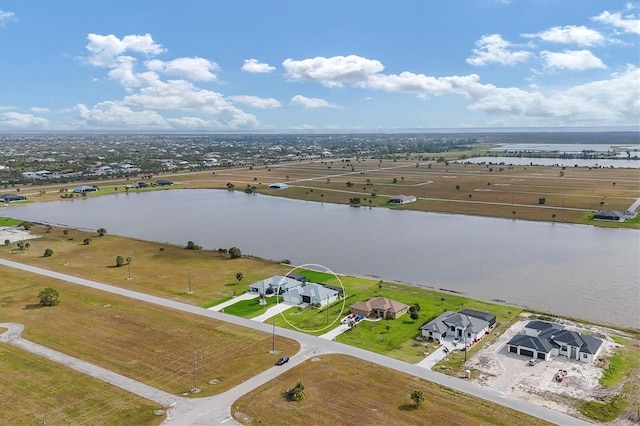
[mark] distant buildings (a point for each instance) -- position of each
(614, 215)
(402, 199)
(10, 198)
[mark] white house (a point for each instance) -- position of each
(542, 340)
(402, 199)
(311, 294)
(456, 325)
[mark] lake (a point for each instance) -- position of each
(560, 162)
(575, 270)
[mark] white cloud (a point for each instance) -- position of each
(310, 103)
(199, 69)
(6, 17)
(570, 34)
(333, 72)
(39, 110)
(628, 24)
(104, 49)
(115, 115)
(254, 66)
(609, 102)
(18, 121)
(576, 60)
(256, 102)
(419, 84)
(493, 48)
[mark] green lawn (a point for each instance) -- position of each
(250, 308)
(395, 338)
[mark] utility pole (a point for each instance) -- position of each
(195, 376)
(273, 336)
(327, 309)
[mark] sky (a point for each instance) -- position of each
(321, 66)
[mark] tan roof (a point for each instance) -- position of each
(381, 303)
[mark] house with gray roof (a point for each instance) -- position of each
(10, 198)
(455, 325)
(542, 340)
(311, 294)
(274, 285)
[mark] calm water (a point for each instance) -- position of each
(579, 271)
(569, 162)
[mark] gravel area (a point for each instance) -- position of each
(494, 367)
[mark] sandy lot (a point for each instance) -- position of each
(509, 373)
(14, 234)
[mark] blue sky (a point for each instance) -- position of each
(309, 65)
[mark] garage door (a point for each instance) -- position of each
(526, 352)
(542, 355)
(513, 349)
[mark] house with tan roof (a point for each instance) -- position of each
(379, 307)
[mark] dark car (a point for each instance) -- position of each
(142, 185)
(282, 360)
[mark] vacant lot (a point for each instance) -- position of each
(142, 341)
(38, 391)
(341, 390)
(162, 270)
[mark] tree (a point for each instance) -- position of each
(128, 260)
(65, 232)
(86, 241)
(7, 242)
(26, 225)
(48, 297)
(101, 232)
(48, 252)
(239, 277)
(192, 246)
(296, 393)
(119, 261)
(418, 397)
(235, 253)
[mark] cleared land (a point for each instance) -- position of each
(343, 390)
(571, 194)
(145, 342)
(38, 391)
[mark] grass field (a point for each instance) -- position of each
(146, 342)
(38, 391)
(341, 390)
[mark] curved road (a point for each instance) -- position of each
(217, 409)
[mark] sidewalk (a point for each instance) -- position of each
(243, 296)
(335, 332)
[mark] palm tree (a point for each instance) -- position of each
(418, 397)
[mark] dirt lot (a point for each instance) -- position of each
(510, 373)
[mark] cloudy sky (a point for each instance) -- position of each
(317, 65)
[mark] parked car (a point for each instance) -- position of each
(282, 360)
(142, 185)
(533, 361)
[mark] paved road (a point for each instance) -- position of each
(206, 412)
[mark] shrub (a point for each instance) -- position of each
(48, 252)
(86, 241)
(48, 297)
(119, 261)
